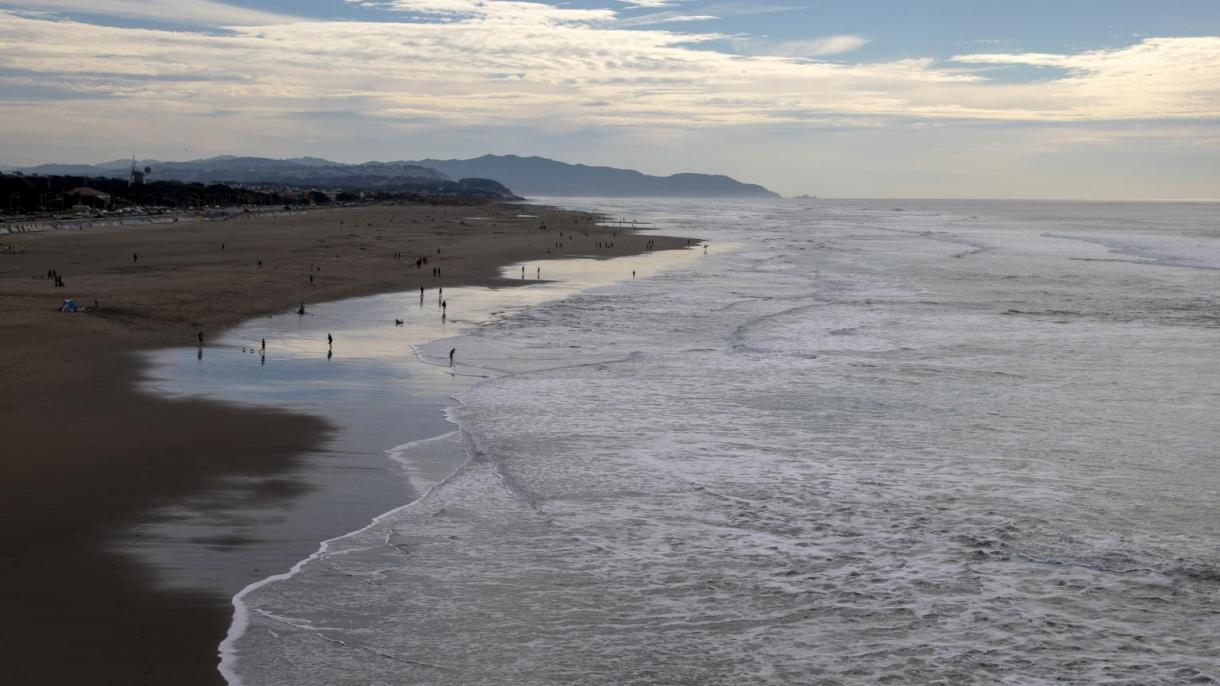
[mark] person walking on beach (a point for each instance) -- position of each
(264, 348)
(523, 272)
(134, 258)
(330, 341)
(445, 305)
(200, 339)
(301, 309)
(451, 352)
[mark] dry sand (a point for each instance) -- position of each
(86, 454)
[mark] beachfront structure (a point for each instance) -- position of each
(94, 197)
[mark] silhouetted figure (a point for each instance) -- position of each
(260, 264)
(330, 341)
(445, 305)
(311, 278)
(222, 246)
(264, 348)
(451, 352)
(200, 338)
(134, 258)
(301, 309)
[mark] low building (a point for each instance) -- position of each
(91, 196)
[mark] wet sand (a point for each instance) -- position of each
(86, 454)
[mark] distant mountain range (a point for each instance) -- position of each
(525, 175)
(541, 176)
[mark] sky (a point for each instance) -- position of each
(1087, 99)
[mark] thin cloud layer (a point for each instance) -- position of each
(817, 47)
(525, 61)
(199, 12)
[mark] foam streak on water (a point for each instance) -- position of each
(948, 444)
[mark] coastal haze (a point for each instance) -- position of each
(609, 342)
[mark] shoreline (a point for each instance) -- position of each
(226, 650)
(438, 458)
(94, 448)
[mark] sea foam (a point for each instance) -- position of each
(842, 452)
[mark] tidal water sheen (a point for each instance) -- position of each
(856, 443)
(376, 395)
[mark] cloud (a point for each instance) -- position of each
(500, 11)
(448, 64)
(816, 47)
(649, 4)
(199, 12)
(718, 11)
(687, 17)
(1157, 77)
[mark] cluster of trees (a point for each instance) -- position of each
(26, 194)
(23, 194)
(20, 194)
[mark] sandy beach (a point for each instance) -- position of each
(86, 453)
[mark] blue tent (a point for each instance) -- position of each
(68, 306)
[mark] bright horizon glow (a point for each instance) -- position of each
(853, 100)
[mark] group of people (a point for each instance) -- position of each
(419, 263)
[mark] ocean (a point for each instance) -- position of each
(856, 442)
